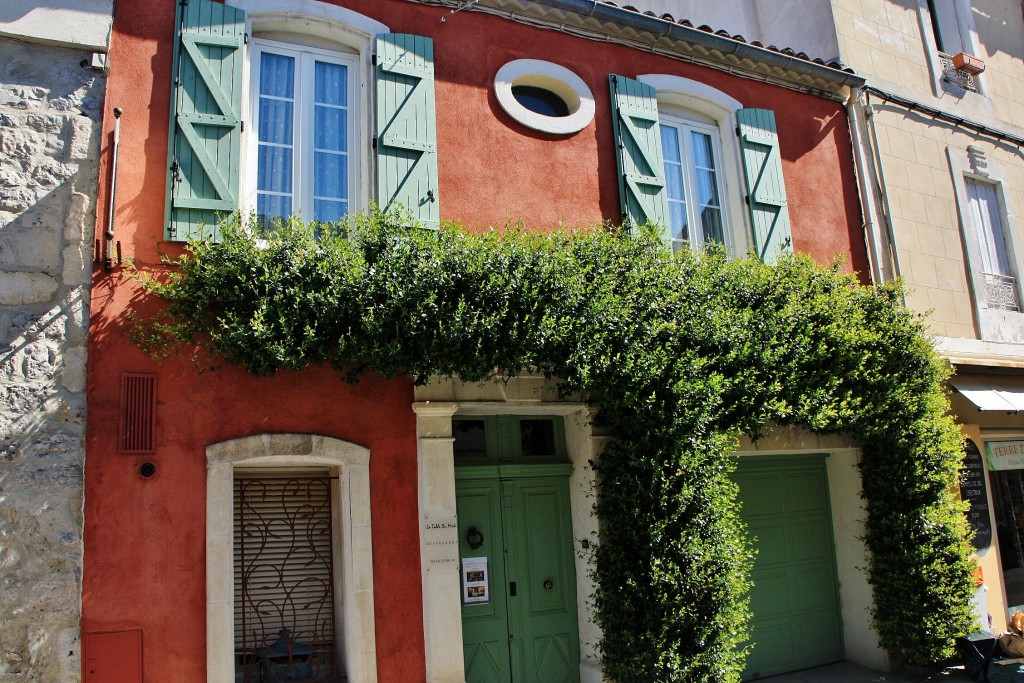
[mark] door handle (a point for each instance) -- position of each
(474, 538)
(548, 584)
(512, 589)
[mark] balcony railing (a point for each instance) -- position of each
(1001, 292)
(960, 77)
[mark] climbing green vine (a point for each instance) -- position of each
(682, 353)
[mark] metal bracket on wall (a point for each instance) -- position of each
(459, 9)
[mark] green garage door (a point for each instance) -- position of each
(796, 621)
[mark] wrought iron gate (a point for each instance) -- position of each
(284, 592)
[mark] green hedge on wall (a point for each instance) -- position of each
(683, 353)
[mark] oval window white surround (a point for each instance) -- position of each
(557, 79)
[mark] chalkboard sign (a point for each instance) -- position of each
(972, 489)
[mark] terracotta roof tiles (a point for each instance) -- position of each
(788, 51)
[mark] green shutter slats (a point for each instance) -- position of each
(766, 188)
(406, 132)
(638, 152)
(206, 127)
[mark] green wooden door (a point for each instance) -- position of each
(518, 517)
(484, 625)
(796, 620)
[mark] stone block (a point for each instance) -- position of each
(31, 248)
(901, 144)
(55, 476)
(924, 272)
(950, 274)
(20, 289)
(912, 205)
(73, 377)
(38, 361)
(290, 444)
(82, 139)
(77, 264)
(74, 220)
(885, 66)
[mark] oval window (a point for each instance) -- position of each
(544, 96)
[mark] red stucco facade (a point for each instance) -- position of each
(145, 538)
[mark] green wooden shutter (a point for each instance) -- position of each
(406, 135)
(206, 123)
(766, 189)
(638, 152)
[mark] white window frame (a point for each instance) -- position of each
(684, 126)
(303, 153)
(341, 31)
(353, 550)
(677, 97)
(994, 324)
(554, 78)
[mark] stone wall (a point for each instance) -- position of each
(50, 112)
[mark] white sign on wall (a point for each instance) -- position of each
(1005, 455)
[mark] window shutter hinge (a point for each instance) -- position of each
(738, 131)
(373, 59)
(241, 126)
(245, 39)
(747, 200)
(373, 143)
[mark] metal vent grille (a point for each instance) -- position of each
(137, 429)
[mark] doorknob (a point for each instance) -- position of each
(548, 584)
(474, 538)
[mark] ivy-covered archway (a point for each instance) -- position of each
(683, 353)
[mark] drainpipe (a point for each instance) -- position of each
(883, 188)
(881, 270)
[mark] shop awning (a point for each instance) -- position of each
(992, 392)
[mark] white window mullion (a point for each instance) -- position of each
(692, 194)
(306, 133)
(675, 172)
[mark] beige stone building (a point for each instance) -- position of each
(941, 124)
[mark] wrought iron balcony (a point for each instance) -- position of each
(951, 74)
(1001, 292)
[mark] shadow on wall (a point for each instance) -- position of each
(1000, 27)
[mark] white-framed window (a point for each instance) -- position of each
(693, 182)
(544, 96)
(991, 241)
(703, 164)
(304, 104)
